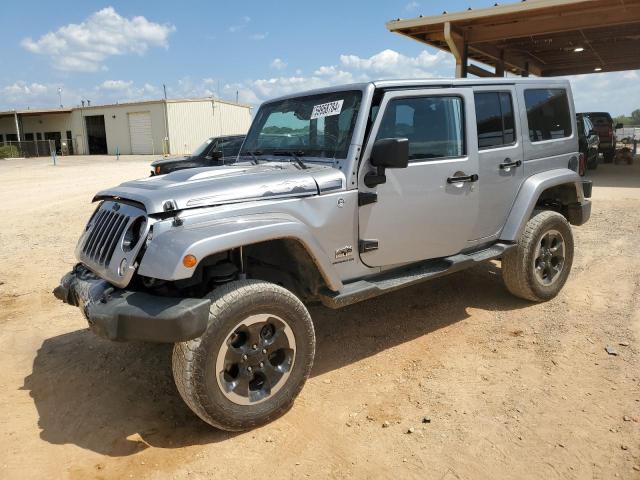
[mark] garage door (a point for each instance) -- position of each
(140, 130)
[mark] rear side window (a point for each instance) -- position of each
(548, 113)
(433, 125)
(494, 117)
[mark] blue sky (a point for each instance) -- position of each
(125, 50)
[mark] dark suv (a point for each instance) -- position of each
(214, 151)
(588, 143)
(603, 125)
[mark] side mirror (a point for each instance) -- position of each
(387, 153)
(619, 125)
(390, 153)
(216, 154)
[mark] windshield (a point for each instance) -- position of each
(229, 147)
(198, 151)
(313, 126)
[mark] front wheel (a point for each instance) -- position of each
(248, 367)
(538, 267)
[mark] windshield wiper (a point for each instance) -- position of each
(293, 155)
(253, 155)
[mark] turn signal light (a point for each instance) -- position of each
(158, 170)
(189, 261)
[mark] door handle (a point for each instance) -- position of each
(463, 179)
(508, 164)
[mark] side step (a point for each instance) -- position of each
(393, 280)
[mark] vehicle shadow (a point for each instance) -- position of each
(118, 399)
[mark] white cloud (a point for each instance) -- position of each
(116, 84)
(392, 64)
(244, 21)
(84, 47)
(615, 92)
(21, 94)
(278, 64)
(259, 36)
(351, 68)
(411, 6)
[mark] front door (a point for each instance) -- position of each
(428, 209)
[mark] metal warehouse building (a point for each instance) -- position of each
(147, 127)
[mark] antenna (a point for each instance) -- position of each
(164, 87)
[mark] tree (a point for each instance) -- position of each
(635, 116)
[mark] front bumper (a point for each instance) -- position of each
(118, 314)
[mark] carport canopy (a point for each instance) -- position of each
(541, 37)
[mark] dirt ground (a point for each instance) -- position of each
(507, 389)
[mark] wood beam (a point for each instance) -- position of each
(534, 26)
(510, 59)
(479, 71)
(582, 69)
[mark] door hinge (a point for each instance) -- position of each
(365, 198)
(368, 245)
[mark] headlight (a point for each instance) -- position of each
(132, 235)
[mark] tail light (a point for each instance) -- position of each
(611, 131)
(582, 164)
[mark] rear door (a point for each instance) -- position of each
(500, 158)
(421, 212)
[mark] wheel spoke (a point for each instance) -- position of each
(278, 341)
(256, 359)
(273, 374)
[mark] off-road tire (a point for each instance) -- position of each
(194, 361)
(518, 270)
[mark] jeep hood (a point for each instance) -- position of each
(201, 187)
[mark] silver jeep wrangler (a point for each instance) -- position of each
(338, 195)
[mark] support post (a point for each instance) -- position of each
(458, 48)
(500, 65)
(15, 117)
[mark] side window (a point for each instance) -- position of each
(433, 125)
(588, 126)
(494, 117)
(548, 113)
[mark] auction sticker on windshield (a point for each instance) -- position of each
(327, 109)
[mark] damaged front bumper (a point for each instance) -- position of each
(118, 314)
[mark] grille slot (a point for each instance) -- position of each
(101, 242)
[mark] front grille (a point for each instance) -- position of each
(105, 247)
(106, 231)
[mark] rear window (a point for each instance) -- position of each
(548, 113)
(600, 119)
(494, 117)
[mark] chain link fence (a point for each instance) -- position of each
(27, 148)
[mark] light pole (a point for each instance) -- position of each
(60, 96)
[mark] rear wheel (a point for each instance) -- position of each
(538, 267)
(253, 359)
